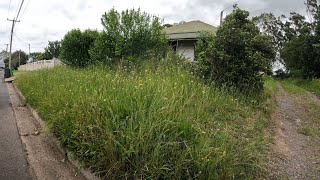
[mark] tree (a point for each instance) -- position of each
(17, 58)
(75, 47)
(36, 56)
(127, 36)
(53, 49)
(297, 40)
(237, 55)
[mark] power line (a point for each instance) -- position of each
(19, 10)
(25, 8)
(231, 5)
(14, 33)
(220, 16)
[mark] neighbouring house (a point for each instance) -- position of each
(184, 36)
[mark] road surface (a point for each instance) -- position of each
(13, 162)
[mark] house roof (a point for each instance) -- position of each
(189, 30)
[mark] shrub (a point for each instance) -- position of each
(237, 55)
(75, 47)
(127, 36)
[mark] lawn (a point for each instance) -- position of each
(153, 123)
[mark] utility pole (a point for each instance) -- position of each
(7, 45)
(221, 18)
(29, 53)
(19, 57)
(13, 24)
(6, 50)
(14, 20)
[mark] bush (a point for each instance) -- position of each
(75, 47)
(127, 36)
(238, 54)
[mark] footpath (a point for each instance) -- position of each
(13, 158)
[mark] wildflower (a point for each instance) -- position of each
(141, 83)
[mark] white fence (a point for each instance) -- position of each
(43, 64)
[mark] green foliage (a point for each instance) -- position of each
(237, 54)
(53, 49)
(75, 48)
(128, 35)
(36, 56)
(158, 122)
(302, 57)
(17, 58)
(296, 39)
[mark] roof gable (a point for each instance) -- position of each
(189, 30)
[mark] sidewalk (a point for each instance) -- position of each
(13, 162)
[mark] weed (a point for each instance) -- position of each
(152, 123)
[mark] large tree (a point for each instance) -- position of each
(53, 49)
(296, 38)
(237, 55)
(75, 47)
(17, 58)
(127, 36)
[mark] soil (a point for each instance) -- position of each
(294, 155)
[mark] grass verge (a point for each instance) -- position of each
(302, 88)
(155, 123)
(309, 85)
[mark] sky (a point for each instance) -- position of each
(49, 20)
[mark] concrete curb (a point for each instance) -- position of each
(69, 156)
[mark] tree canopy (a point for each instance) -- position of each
(296, 39)
(75, 47)
(129, 35)
(17, 58)
(53, 49)
(237, 55)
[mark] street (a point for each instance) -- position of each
(13, 162)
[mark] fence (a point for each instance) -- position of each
(43, 64)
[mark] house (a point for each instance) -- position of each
(183, 37)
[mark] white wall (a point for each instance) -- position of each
(186, 49)
(43, 64)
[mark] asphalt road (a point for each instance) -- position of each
(13, 162)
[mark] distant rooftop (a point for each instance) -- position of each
(189, 30)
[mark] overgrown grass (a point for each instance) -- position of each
(309, 85)
(155, 123)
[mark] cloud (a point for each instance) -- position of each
(50, 20)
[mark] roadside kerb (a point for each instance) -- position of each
(69, 156)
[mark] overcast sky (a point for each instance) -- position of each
(48, 20)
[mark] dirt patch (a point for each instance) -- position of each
(294, 155)
(44, 157)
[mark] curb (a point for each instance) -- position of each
(69, 156)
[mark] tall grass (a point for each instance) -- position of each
(152, 123)
(309, 85)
